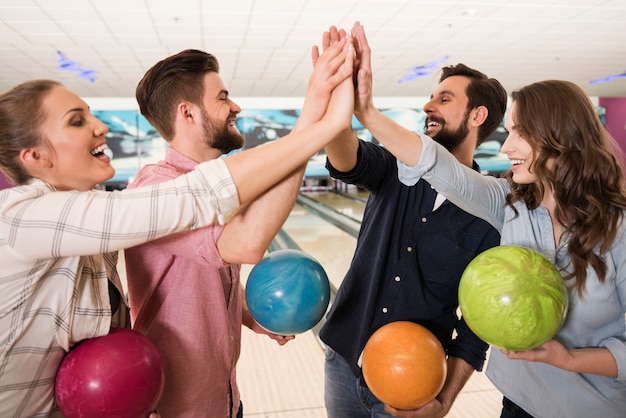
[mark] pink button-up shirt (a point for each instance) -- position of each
(187, 300)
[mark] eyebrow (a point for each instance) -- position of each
(443, 93)
(449, 92)
(74, 109)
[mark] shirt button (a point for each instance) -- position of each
(397, 278)
(424, 219)
(385, 310)
(409, 249)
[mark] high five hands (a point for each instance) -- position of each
(362, 74)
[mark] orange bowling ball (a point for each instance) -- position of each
(404, 365)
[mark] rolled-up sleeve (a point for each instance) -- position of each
(38, 222)
(410, 175)
(219, 182)
(618, 350)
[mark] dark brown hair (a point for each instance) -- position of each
(172, 80)
(481, 91)
(576, 156)
(21, 114)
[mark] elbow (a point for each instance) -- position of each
(248, 253)
(253, 257)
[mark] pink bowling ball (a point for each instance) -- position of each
(113, 376)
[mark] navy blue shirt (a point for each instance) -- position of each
(407, 263)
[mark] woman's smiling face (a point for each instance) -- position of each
(519, 151)
(74, 143)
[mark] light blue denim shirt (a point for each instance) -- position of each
(598, 319)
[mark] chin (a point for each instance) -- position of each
(108, 176)
(522, 178)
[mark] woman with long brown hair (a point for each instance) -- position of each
(565, 197)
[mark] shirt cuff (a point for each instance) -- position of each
(618, 350)
(226, 197)
(410, 175)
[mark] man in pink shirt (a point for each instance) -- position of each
(185, 291)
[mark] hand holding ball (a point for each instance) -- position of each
(287, 292)
(513, 297)
(404, 365)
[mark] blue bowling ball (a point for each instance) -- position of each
(287, 292)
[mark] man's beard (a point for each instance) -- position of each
(219, 136)
(452, 139)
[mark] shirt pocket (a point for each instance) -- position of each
(442, 260)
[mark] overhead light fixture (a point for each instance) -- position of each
(66, 64)
(422, 70)
(609, 78)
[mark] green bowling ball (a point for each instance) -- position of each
(513, 297)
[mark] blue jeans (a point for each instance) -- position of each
(344, 394)
(511, 410)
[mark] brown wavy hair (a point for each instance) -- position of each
(560, 122)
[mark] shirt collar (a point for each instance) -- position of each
(179, 160)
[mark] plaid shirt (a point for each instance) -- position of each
(58, 252)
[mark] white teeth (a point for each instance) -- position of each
(433, 124)
(99, 150)
(514, 162)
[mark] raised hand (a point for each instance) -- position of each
(319, 89)
(330, 37)
(341, 106)
(364, 101)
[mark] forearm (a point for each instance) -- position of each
(458, 374)
(246, 316)
(257, 169)
(592, 360)
(259, 221)
(342, 151)
(404, 144)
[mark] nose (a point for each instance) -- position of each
(234, 108)
(99, 128)
(429, 107)
(506, 145)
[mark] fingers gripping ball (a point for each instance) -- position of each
(404, 365)
(513, 297)
(287, 292)
(114, 376)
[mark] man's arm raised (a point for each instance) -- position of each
(401, 142)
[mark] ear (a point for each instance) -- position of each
(185, 112)
(479, 115)
(35, 159)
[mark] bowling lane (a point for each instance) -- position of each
(352, 207)
(332, 247)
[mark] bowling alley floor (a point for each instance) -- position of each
(288, 381)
